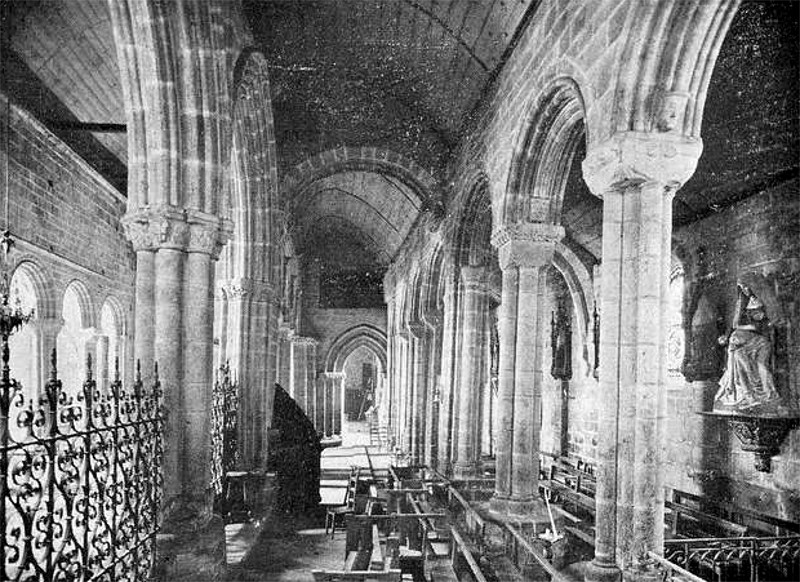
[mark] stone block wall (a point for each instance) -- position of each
(756, 241)
(65, 219)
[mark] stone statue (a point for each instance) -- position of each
(747, 386)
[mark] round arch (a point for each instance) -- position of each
(44, 290)
(375, 160)
(88, 312)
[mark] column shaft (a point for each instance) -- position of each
(472, 361)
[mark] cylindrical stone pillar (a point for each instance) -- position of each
(637, 228)
(419, 339)
(524, 251)
(446, 380)
(337, 396)
(144, 312)
(197, 374)
(472, 359)
(298, 370)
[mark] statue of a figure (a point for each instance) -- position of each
(747, 385)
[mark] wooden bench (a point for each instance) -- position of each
(356, 576)
(757, 523)
(687, 522)
(475, 524)
(461, 558)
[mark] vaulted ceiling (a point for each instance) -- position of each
(406, 76)
(402, 74)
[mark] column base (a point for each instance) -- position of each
(191, 545)
(528, 511)
(464, 470)
(601, 572)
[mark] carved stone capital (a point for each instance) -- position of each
(528, 244)
(417, 329)
(243, 287)
(304, 340)
(474, 277)
(633, 158)
(172, 228)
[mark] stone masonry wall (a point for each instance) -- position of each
(756, 241)
(65, 219)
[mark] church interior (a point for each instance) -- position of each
(474, 290)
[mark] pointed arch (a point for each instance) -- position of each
(543, 155)
(348, 341)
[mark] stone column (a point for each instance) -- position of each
(284, 358)
(636, 175)
(328, 382)
(319, 406)
(102, 372)
(418, 340)
(311, 378)
(473, 285)
(524, 250)
(404, 435)
(429, 448)
(446, 380)
(298, 370)
(174, 316)
(337, 393)
(47, 331)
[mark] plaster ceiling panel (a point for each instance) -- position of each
(70, 47)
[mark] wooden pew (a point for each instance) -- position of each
(757, 523)
(687, 522)
(475, 524)
(356, 576)
(460, 552)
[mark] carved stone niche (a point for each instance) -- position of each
(761, 435)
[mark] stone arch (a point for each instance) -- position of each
(252, 199)
(666, 64)
(579, 283)
(473, 230)
(118, 312)
(366, 159)
(543, 155)
(176, 85)
(43, 286)
(434, 283)
(348, 341)
(88, 310)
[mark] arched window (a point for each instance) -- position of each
(23, 345)
(71, 342)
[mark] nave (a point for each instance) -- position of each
(549, 248)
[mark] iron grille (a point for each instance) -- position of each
(224, 426)
(82, 479)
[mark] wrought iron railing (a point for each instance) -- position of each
(746, 558)
(224, 426)
(81, 479)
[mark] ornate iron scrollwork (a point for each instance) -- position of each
(82, 481)
(224, 428)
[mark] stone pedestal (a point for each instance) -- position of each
(525, 250)
(636, 175)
